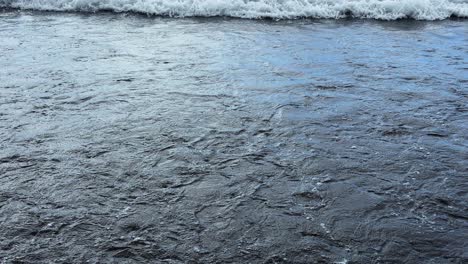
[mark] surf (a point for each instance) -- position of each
(259, 9)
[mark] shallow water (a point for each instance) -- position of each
(128, 138)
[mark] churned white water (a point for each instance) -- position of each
(277, 9)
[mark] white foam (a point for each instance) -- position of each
(277, 9)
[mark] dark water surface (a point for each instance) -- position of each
(127, 139)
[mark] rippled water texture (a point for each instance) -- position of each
(131, 139)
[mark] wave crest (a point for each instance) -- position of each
(276, 9)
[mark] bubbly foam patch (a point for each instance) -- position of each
(276, 9)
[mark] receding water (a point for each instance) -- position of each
(127, 138)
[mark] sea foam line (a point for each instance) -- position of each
(276, 9)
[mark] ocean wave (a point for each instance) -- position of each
(256, 9)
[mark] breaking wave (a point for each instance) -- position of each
(256, 9)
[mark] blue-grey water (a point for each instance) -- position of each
(135, 139)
